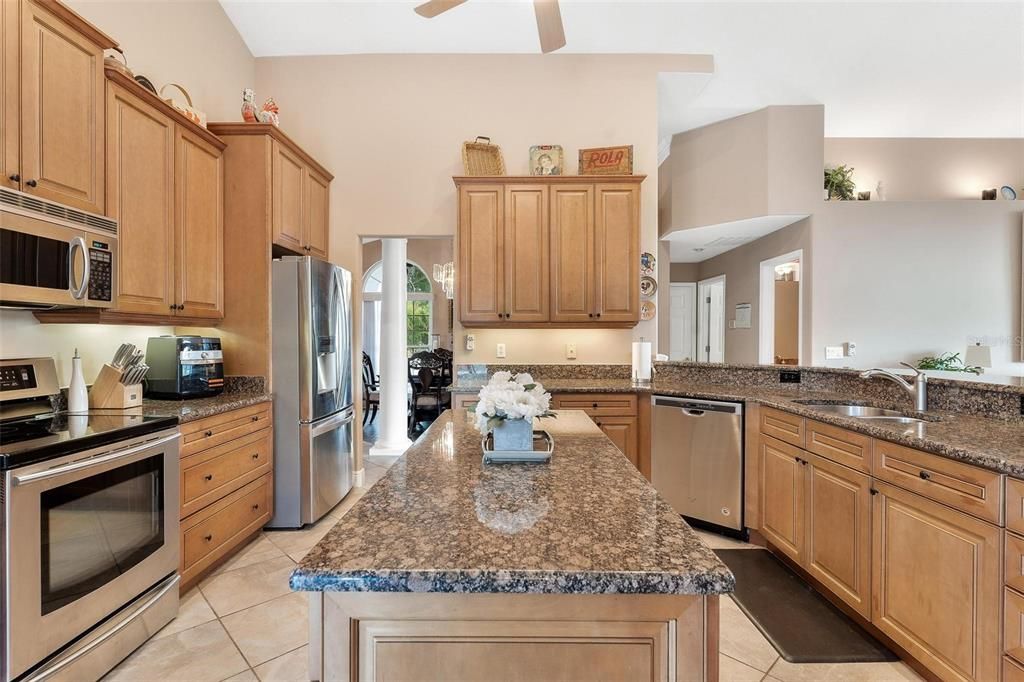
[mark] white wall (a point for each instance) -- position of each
(907, 279)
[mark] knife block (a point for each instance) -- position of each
(109, 393)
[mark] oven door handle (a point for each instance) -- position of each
(78, 292)
(91, 462)
(169, 583)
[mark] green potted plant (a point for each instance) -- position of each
(839, 183)
(947, 362)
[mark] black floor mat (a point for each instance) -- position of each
(801, 624)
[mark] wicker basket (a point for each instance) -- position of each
(482, 157)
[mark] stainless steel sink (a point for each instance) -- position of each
(863, 412)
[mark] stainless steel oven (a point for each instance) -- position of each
(90, 553)
(54, 256)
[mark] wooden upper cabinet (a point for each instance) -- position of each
(288, 204)
(569, 249)
(937, 584)
(199, 218)
(317, 220)
(526, 253)
(572, 253)
(62, 105)
(140, 196)
(481, 274)
(10, 94)
(617, 252)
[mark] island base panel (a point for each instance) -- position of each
(401, 636)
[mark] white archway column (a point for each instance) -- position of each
(394, 438)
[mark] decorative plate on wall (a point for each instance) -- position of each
(648, 286)
(647, 310)
(647, 263)
(1008, 193)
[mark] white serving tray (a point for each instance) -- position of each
(543, 446)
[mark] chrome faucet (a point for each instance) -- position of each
(918, 389)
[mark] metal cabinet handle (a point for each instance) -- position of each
(208, 434)
(31, 183)
(94, 461)
(255, 418)
(14, 178)
(208, 538)
(208, 477)
(78, 291)
(873, 491)
(597, 315)
(255, 455)
(925, 475)
(173, 307)
(255, 507)
(590, 314)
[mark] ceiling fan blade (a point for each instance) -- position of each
(432, 8)
(549, 25)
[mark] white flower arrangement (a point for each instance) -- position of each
(508, 396)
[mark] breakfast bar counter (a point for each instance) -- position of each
(447, 567)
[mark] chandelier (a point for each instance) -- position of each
(445, 276)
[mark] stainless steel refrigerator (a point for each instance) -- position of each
(311, 364)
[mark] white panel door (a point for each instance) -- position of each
(683, 321)
(711, 320)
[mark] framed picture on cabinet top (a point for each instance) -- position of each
(607, 161)
(547, 159)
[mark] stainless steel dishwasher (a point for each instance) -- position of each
(697, 458)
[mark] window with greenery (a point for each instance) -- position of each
(419, 306)
(418, 325)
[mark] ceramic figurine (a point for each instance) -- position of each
(269, 112)
(880, 191)
(249, 106)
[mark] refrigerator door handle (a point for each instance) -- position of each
(333, 422)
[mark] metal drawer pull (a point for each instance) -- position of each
(94, 461)
(208, 477)
(208, 434)
(255, 455)
(872, 491)
(208, 537)
(255, 507)
(255, 417)
(925, 475)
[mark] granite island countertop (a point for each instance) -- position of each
(441, 521)
(995, 444)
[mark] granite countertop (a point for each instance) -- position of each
(991, 443)
(441, 521)
(199, 408)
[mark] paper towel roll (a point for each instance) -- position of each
(641, 361)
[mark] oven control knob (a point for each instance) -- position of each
(204, 355)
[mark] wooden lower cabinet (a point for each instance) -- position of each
(615, 414)
(623, 432)
(937, 584)
(402, 636)
(838, 550)
(783, 497)
(1012, 670)
(226, 486)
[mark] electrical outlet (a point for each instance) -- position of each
(570, 351)
(499, 352)
(788, 376)
(833, 352)
(470, 342)
(851, 349)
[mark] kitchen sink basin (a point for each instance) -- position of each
(863, 412)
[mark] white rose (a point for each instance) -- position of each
(524, 379)
(501, 378)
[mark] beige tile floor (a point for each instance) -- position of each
(243, 624)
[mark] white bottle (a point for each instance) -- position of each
(78, 396)
(880, 191)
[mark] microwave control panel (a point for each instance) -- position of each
(100, 272)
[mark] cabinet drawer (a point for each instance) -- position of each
(1013, 566)
(964, 487)
(465, 401)
(784, 426)
(597, 404)
(1012, 670)
(224, 523)
(1015, 505)
(205, 433)
(213, 473)
(1013, 624)
(839, 445)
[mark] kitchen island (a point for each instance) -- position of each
(451, 569)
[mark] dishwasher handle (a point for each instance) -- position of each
(695, 407)
(689, 412)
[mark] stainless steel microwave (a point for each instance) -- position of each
(55, 256)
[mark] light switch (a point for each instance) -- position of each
(833, 352)
(499, 352)
(470, 342)
(570, 351)
(851, 349)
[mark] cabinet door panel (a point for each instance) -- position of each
(481, 274)
(572, 253)
(199, 215)
(839, 531)
(62, 105)
(617, 253)
(782, 497)
(937, 586)
(526, 253)
(317, 215)
(10, 94)
(140, 196)
(623, 432)
(288, 213)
